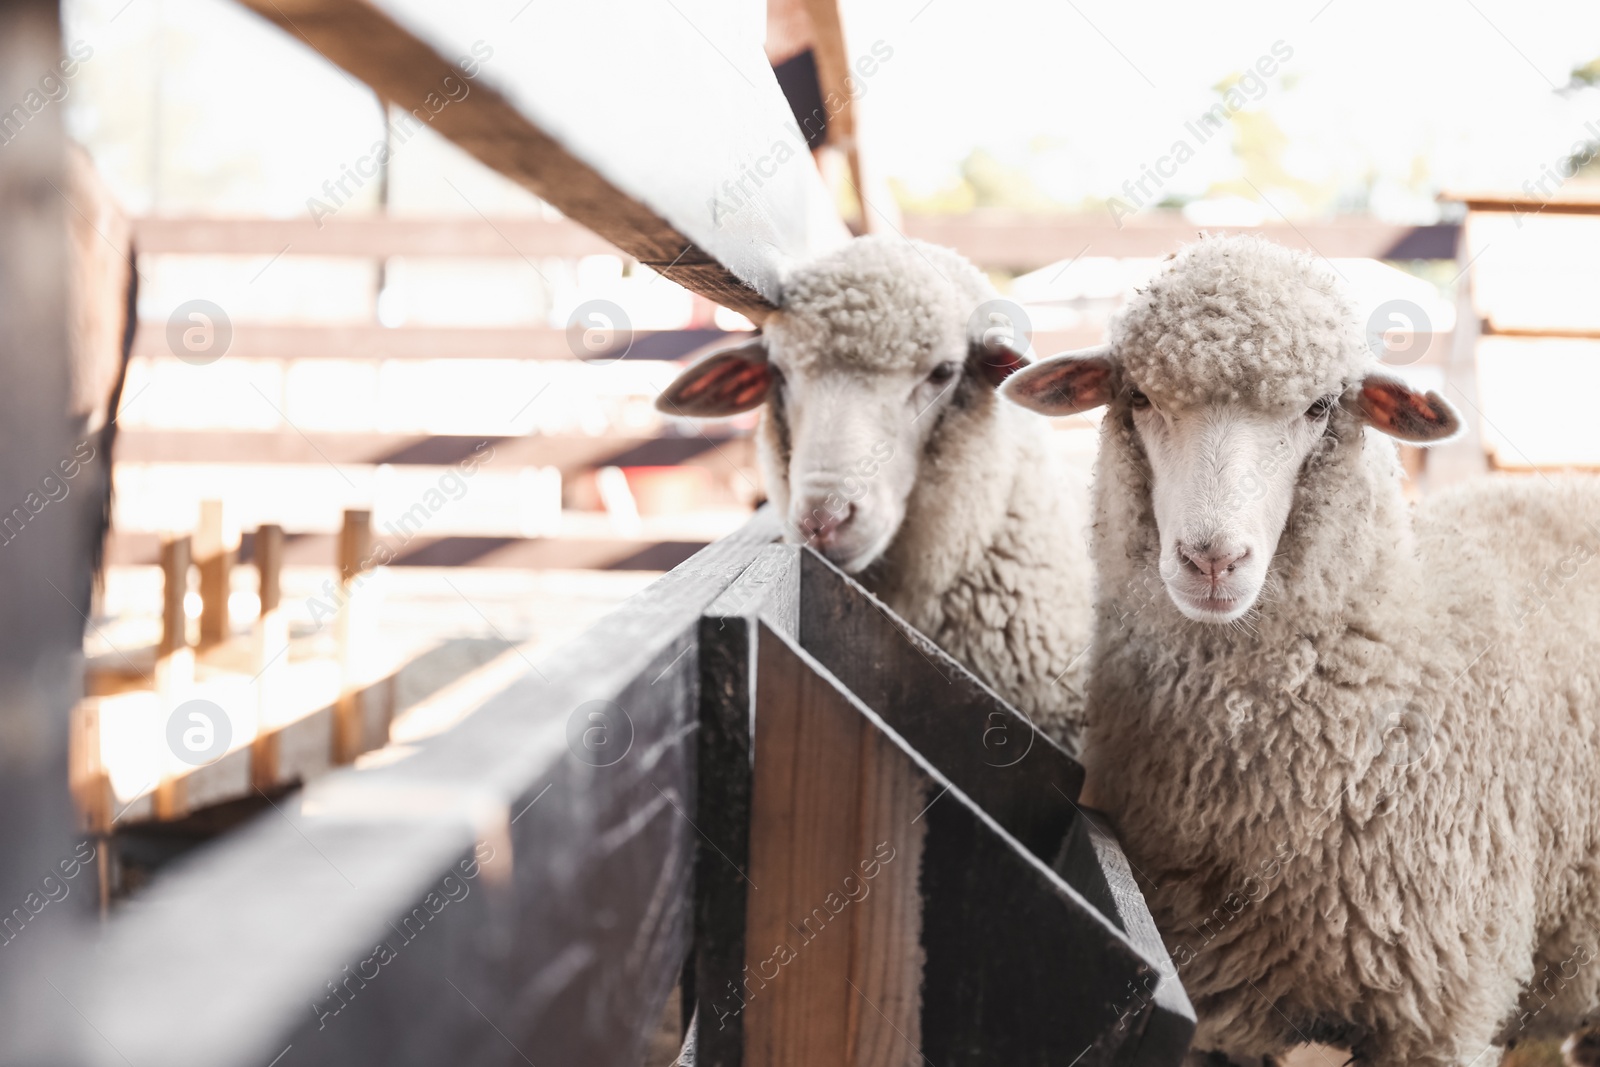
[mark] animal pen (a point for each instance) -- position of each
(751, 784)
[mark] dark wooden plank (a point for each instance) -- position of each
(1155, 1011)
(569, 934)
(1021, 778)
(544, 114)
(1020, 969)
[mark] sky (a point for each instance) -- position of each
(1400, 98)
(1370, 105)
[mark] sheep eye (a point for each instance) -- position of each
(942, 373)
(1137, 400)
(1320, 408)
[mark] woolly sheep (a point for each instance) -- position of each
(882, 441)
(1352, 750)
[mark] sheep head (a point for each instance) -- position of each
(1239, 363)
(872, 360)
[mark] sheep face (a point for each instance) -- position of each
(1222, 482)
(854, 439)
(1223, 472)
(1233, 370)
(868, 373)
(845, 435)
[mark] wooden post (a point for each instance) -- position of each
(355, 725)
(174, 586)
(269, 565)
(215, 551)
(174, 674)
(175, 556)
(271, 655)
(355, 543)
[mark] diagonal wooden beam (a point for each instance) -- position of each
(687, 176)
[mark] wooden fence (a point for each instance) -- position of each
(1526, 317)
(894, 865)
(752, 783)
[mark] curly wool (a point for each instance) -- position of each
(879, 303)
(1370, 815)
(991, 560)
(1240, 319)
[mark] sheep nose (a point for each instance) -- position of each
(821, 525)
(1211, 559)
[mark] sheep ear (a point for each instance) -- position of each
(726, 382)
(995, 361)
(1065, 384)
(1386, 403)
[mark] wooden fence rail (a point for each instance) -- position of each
(528, 887)
(996, 239)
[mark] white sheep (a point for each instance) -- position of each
(883, 443)
(1351, 748)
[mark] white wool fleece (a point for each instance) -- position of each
(990, 560)
(1369, 814)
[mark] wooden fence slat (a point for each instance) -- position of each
(344, 341)
(570, 452)
(268, 551)
(370, 237)
(542, 112)
(1025, 242)
(214, 552)
(175, 560)
(727, 695)
(990, 238)
(804, 813)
